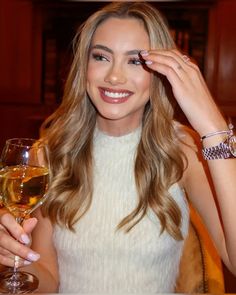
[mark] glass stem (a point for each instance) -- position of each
(19, 220)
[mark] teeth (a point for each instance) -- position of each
(115, 94)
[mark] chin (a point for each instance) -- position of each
(111, 114)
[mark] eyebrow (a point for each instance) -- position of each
(105, 48)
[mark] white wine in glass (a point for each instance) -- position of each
(24, 181)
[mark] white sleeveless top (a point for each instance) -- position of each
(97, 257)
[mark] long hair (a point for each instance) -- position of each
(159, 162)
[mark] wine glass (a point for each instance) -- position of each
(24, 180)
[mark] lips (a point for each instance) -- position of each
(114, 96)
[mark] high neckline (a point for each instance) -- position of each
(103, 138)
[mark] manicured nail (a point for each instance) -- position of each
(33, 256)
(25, 239)
(26, 262)
(144, 53)
(148, 62)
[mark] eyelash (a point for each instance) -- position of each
(136, 61)
(101, 57)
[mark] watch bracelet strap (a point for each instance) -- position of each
(221, 151)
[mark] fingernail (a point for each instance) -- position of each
(25, 239)
(33, 256)
(148, 62)
(26, 262)
(144, 53)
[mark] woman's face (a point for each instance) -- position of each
(117, 81)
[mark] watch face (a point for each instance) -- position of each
(232, 145)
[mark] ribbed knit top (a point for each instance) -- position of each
(98, 258)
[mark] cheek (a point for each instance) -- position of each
(90, 72)
(143, 81)
(92, 76)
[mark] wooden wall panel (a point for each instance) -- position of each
(20, 69)
(20, 52)
(221, 57)
(22, 120)
(227, 52)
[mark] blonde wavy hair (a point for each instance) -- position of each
(159, 161)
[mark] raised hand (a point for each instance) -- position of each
(189, 88)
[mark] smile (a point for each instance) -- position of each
(115, 96)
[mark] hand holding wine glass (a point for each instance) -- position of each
(24, 178)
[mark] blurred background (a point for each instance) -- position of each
(36, 52)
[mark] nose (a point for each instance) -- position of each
(115, 75)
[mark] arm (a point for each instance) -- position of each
(198, 183)
(194, 98)
(45, 267)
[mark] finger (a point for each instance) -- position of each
(171, 72)
(191, 67)
(10, 261)
(183, 60)
(29, 224)
(9, 255)
(8, 243)
(165, 64)
(5, 252)
(156, 57)
(8, 221)
(190, 61)
(180, 63)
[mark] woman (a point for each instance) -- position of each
(117, 215)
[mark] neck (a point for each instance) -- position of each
(116, 128)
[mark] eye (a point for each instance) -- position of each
(135, 61)
(99, 57)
